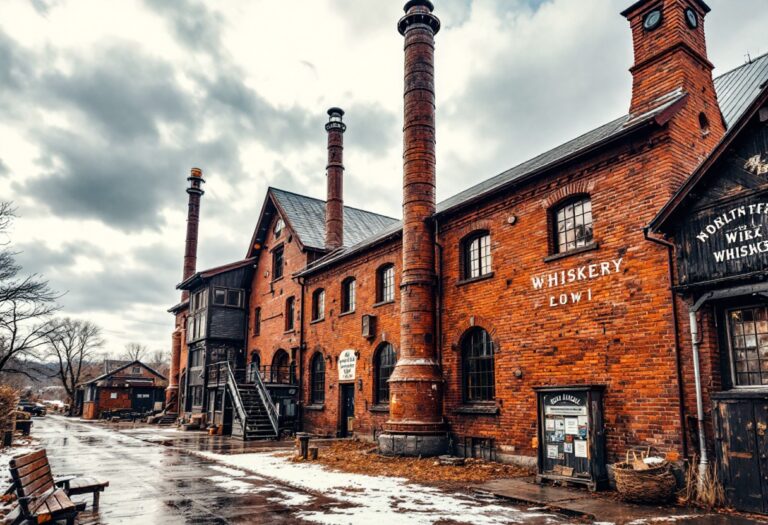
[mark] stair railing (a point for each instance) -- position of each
(266, 400)
(236, 399)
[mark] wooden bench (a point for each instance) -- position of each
(43, 499)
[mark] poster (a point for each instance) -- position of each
(550, 424)
(571, 426)
(552, 451)
(583, 421)
(559, 424)
(580, 449)
(568, 448)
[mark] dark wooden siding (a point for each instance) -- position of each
(226, 323)
(725, 233)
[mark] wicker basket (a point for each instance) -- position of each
(652, 485)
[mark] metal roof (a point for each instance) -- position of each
(306, 216)
(738, 88)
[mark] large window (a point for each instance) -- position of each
(281, 368)
(227, 297)
(277, 263)
(199, 301)
(290, 313)
(348, 295)
(257, 320)
(748, 330)
(385, 284)
(573, 224)
(383, 364)
(318, 304)
(317, 389)
(477, 366)
(476, 255)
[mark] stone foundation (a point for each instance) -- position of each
(413, 445)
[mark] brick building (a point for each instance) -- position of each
(439, 331)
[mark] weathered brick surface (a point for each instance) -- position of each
(338, 332)
(271, 295)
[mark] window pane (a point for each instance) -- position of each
(749, 347)
(219, 296)
(384, 364)
(478, 366)
(573, 228)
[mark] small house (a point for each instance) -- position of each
(133, 386)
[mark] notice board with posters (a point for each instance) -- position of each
(571, 435)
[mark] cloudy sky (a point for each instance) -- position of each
(104, 107)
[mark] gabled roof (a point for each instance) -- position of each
(684, 194)
(735, 89)
(306, 217)
(194, 280)
(119, 369)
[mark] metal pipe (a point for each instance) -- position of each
(695, 342)
(676, 327)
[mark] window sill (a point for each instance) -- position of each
(315, 407)
(383, 303)
(482, 410)
(588, 248)
(291, 331)
(315, 321)
(485, 277)
(344, 314)
(378, 408)
(273, 281)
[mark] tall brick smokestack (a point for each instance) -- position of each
(195, 191)
(334, 203)
(416, 425)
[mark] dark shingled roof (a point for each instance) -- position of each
(736, 90)
(306, 216)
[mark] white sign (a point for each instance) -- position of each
(347, 365)
(580, 449)
(580, 274)
(572, 426)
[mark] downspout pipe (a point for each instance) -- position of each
(676, 327)
(696, 343)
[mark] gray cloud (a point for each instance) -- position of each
(371, 128)
(127, 94)
(4, 171)
(193, 24)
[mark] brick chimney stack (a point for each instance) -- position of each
(195, 191)
(334, 203)
(416, 425)
(670, 50)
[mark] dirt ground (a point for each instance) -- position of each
(361, 458)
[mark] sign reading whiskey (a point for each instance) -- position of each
(727, 240)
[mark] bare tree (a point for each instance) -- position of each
(73, 344)
(26, 304)
(160, 361)
(135, 351)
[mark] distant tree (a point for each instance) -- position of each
(160, 361)
(73, 344)
(26, 304)
(135, 351)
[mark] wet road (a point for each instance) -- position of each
(154, 484)
(162, 476)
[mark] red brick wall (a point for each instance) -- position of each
(340, 332)
(622, 338)
(271, 297)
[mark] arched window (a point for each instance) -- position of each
(317, 388)
(257, 320)
(476, 255)
(318, 305)
(478, 376)
(254, 366)
(281, 368)
(383, 364)
(572, 221)
(290, 313)
(348, 295)
(385, 283)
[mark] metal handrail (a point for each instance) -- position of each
(235, 393)
(266, 399)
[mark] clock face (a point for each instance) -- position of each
(692, 18)
(652, 20)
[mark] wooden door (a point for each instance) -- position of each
(742, 452)
(347, 392)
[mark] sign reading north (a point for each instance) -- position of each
(347, 365)
(744, 237)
